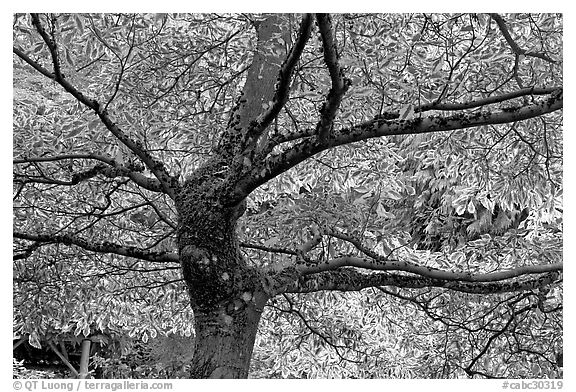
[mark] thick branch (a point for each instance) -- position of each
(339, 83)
(32, 63)
(379, 127)
(284, 78)
(50, 43)
(428, 272)
(486, 101)
(267, 86)
(384, 263)
(357, 244)
(104, 247)
(513, 45)
(352, 280)
(169, 184)
(441, 106)
(112, 171)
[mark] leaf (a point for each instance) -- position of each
(74, 132)
(34, 340)
(460, 208)
(382, 213)
(79, 24)
(119, 156)
(331, 250)
(407, 112)
(474, 228)
(37, 48)
(502, 220)
(392, 194)
(139, 218)
(486, 202)
(93, 125)
(438, 65)
(471, 207)
(457, 258)
(159, 17)
(271, 241)
(129, 118)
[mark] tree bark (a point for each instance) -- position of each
(225, 339)
(226, 294)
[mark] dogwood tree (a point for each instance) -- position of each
(237, 162)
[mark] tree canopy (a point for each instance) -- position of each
(385, 188)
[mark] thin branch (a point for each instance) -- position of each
(63, 157)
(357, 244)
(302, 249)
(268, 248)
(122, 62)
(328, 340)
(189, 66)
(169, 184)
(513, 45)
(104, 247)
(491, 339)
(163, 217)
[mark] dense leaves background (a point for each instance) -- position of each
(478, 200)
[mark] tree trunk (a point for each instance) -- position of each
(226, 294)
(224, 341)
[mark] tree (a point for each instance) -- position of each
(264, 155)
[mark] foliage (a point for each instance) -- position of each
(88, 297)
(160, 357)
(96, 228)
(21, 372)
(357, 335)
